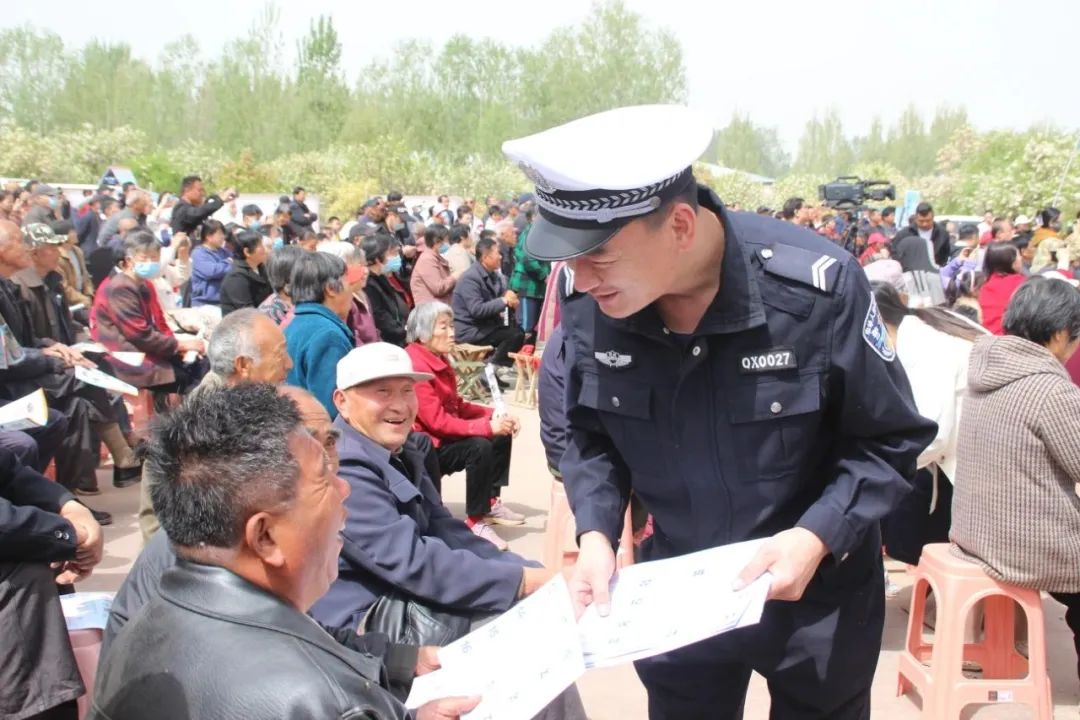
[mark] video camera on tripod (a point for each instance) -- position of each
(851, 193)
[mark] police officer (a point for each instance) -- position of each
(734, 372)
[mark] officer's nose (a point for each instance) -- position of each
(585, 278)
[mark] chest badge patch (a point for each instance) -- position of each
(782, 358)
(613, 359)
(874, 333)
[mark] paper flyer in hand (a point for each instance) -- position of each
(517, 663)
(86, 610)
(93, 376)
(663, 605)
(522, 660)
(29, 411)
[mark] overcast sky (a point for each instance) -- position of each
(777, 61)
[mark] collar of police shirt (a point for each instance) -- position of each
(736, 307)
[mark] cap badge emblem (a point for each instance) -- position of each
(537, 179)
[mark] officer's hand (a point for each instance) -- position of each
(792, 557)
(592, 574)
(447, 708)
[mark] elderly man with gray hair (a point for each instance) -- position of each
(246, 347)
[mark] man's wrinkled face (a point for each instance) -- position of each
(310, 531)
(47, 258)
(630, 271)
(14, 251)
(274, 363)
(383, 410)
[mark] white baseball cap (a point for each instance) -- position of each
(376, 361)
(1022, 220)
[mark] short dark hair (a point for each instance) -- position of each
(442, 197)
(209, 227)
(487, 235)
(308, 234)
(332, 218)
(495, 210)
(212, 469)
(297, 190)
(251, 210)
(791, 206)
(458, 232)
(375, 247)
(888, 211)
(462, 211)
(1041, 308)
(313, 274)
(967, 230)
(997, 226)
(394, 196)
(688, 195)
(1000, 257)
(1048, 215)
(107, 203)
(246, 240)
(924, 209)
(282, 209)
(484, 245)
(188, 181)
(435, 235)
(279, 267)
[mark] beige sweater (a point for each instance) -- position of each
(1015, 508)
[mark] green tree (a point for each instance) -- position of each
(745, 146)
(320, 96)
(823, 147)
(31, 65)
(107, 87)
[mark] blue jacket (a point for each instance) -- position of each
(208, 269)
(786, 407)
(316, 339)
(400, 539)
(478, 303)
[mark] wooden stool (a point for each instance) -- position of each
(560, 534)
(468, 363)
(959, 585)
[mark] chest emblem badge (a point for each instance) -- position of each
(613, 359)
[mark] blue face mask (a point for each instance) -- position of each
(393, 265)
(53, 202)
(255, 225)
(443, 249)
(279, 243)
(148, 270)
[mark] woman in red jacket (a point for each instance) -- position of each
(1002, 268)
(466, 436)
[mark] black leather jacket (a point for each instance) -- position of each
(215, 647)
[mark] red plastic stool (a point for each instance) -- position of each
(560, 534)
(1008, 676)
(86, 644)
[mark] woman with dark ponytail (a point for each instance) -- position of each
(933, 345)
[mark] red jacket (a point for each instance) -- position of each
(126, 317)
(994, 297)
(443, 414)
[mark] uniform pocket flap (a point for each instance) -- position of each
(768, 399)
(616, 395)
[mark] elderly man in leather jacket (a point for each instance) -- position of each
(256, 521)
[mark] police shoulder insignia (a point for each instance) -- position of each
(614, 359)
(801, 265)
(875, 334)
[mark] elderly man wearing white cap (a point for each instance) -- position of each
(734, 372)
(399, 538)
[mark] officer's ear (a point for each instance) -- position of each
(682, 220)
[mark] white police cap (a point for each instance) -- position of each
(596, 174)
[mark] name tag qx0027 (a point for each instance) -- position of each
(768, 361)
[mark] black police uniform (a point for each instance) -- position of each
(786, 407)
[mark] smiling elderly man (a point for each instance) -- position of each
(256, 521)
